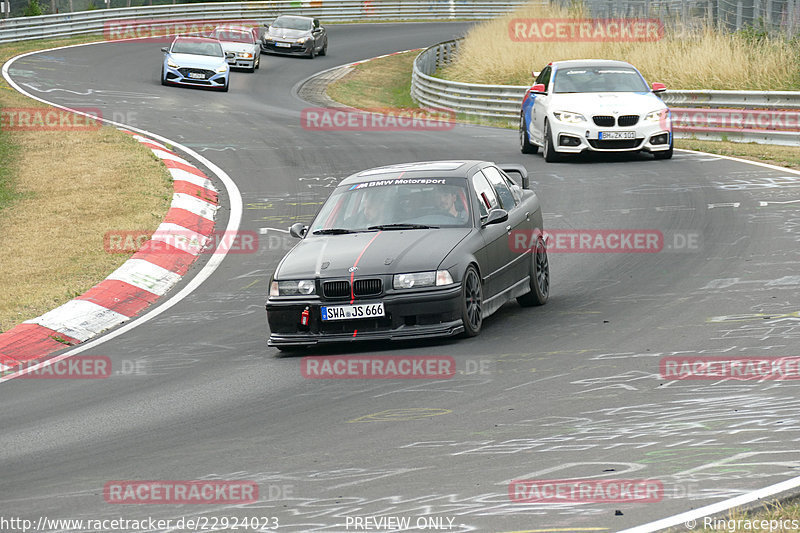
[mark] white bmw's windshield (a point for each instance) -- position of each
(598, 80)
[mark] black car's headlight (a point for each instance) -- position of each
(301, 40)
(292, 288)
(422, 279)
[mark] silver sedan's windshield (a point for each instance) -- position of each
(197, 48)
(394, 204)
(598, 80)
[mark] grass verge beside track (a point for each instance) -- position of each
(60, 192)
(386, 83)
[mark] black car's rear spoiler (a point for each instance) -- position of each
(518, 169)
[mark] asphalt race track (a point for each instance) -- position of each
(568, 390)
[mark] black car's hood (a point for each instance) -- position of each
(286, 33)
(385, 252)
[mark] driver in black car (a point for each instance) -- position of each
(446, 200)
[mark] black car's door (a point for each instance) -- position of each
(494, 237)
(516, 267)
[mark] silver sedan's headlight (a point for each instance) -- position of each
(223, 68)
(422, 279)
(171, 63)
(569, 117)
(660, 115)
(292, 288)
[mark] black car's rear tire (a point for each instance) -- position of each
(524, 142)
(548, 150)
(540, 277)
(472, 302)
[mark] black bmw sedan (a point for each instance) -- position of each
(426, 249)
(295, 35)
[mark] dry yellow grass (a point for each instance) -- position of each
(702, 60)
(70, 188)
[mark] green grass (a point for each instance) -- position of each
(9, 152)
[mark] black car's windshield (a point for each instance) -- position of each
(198, 48)
(598, 80)
(292, 23)
(232, 36)
(395, 204)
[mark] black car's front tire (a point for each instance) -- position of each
(540, 277)
(472, 302)
(524, 142)
(324, 50)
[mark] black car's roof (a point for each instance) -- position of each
(301, 17)
(420, 169)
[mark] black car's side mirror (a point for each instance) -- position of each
(298, 230)
(496, 216)
(165, 49)
(513, 168)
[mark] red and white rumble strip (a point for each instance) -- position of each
(139, 282)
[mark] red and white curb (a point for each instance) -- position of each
(140, 281)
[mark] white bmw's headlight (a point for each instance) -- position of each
(246, 55)
(422, 279)
(569, 117)
(660, 115)
(223, 68)
(292, 288)
(171, 63)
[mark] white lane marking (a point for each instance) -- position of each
(181, 200)
(146, 276)
(691, 517)
(79, 319)
(214, 261)
(179, 174)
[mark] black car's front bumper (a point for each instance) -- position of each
(271, 47)
(432, 313)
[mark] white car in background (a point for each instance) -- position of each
(243, 42)
(595, 105)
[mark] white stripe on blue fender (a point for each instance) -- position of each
(79, 319)
(194, 205)
(145, 275)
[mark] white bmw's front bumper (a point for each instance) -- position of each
(576, 138)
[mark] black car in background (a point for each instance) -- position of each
(296, 35)
(409, 251)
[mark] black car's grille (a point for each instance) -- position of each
(615, 144)
(361, 288)
(186, 71)
(367, 287)
(336, 289)
(628, 120)
(604, 121)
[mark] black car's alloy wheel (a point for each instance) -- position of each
(472, 302)
(540, 277)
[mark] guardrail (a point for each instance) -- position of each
(769, 122)
(96, 21)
